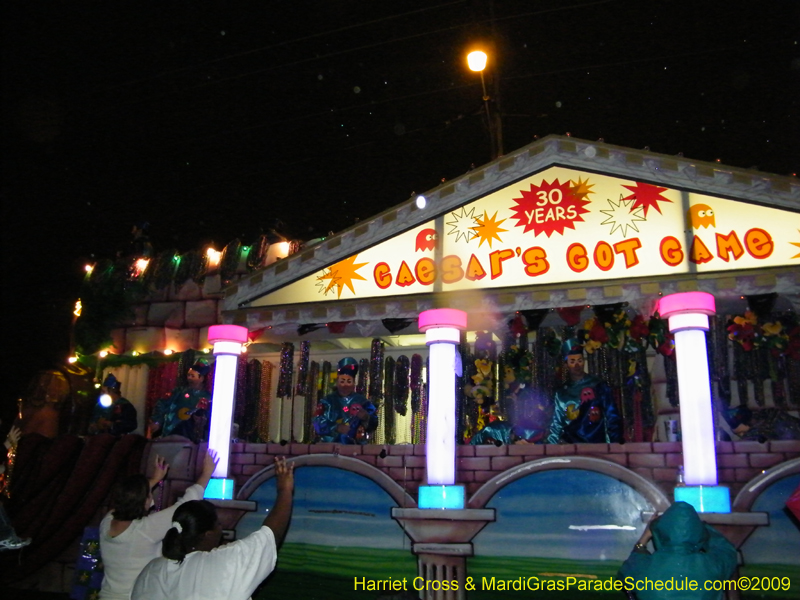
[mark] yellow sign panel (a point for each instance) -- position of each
(561, 225)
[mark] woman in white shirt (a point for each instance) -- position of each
(129, 537)
(194, 568)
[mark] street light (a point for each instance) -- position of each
(476, 61)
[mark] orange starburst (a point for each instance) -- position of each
(796, 244)
(488, 228)
(342, 274)
(581, 189)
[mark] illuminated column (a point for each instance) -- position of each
(688, 321)
(227, 340)
(442, 327)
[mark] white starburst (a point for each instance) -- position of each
(462, 225)
(323, 283)
(621, 217)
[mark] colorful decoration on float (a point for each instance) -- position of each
(286, 370)
(340, 275)
(426, 240)
(265, 400)
(551, 207)
(780, 335)
(594, 227)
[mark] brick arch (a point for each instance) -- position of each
(752, 489)
(381, 479)
(647, 489)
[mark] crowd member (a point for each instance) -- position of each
(685, 549)
(186, 410)
(129, 536)
(345, 416)
(192, 566)
(113, 413)
(584, 408)
(9, 540)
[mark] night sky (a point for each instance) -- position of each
(216, 120)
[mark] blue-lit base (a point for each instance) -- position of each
(219, 489)
(705, 498)
(442, 496)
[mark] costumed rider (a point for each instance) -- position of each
(112, 414)
(529, 426)
(344, 416)
(584, 409)
(187, 409)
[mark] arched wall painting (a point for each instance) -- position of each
(341, 529)
(774, 551)
(557, 523)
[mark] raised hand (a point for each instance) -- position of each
(284, 474)
(13, 437)
(210, 462)
(160, 468)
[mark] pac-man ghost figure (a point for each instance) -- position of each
(426, 240)
(701, 215)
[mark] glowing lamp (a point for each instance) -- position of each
(88, 268)
(105, 400)
(140, 266)
(168, 352)
(72, 359)
(442, 327)
(227, 340)
(421, 202)
(213, 257)
(476, 60)
(103, 353)
(78, 308)
(688, 321)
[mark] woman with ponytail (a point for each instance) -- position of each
(130, 537)
(193, 567)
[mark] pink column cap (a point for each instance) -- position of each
(227, 333)
(686, 302)
(443, 317)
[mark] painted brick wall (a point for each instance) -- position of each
(737, 462)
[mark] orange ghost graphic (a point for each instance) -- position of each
(701, 215)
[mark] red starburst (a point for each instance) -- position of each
(646, 196)
(549, 207)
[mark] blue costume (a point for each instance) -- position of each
(338, 408)
(503, 432)
(175, 413)
(584, 410)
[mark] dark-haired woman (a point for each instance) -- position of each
(193, 567)
(129, 537)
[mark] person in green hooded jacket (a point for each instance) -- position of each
(686, 550)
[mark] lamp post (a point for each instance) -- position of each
(476, 61)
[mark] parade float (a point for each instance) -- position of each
(562, 239)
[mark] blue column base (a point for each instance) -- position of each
(443, 497)
(219, 489)
(705, 498)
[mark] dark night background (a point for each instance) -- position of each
(211, 120)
